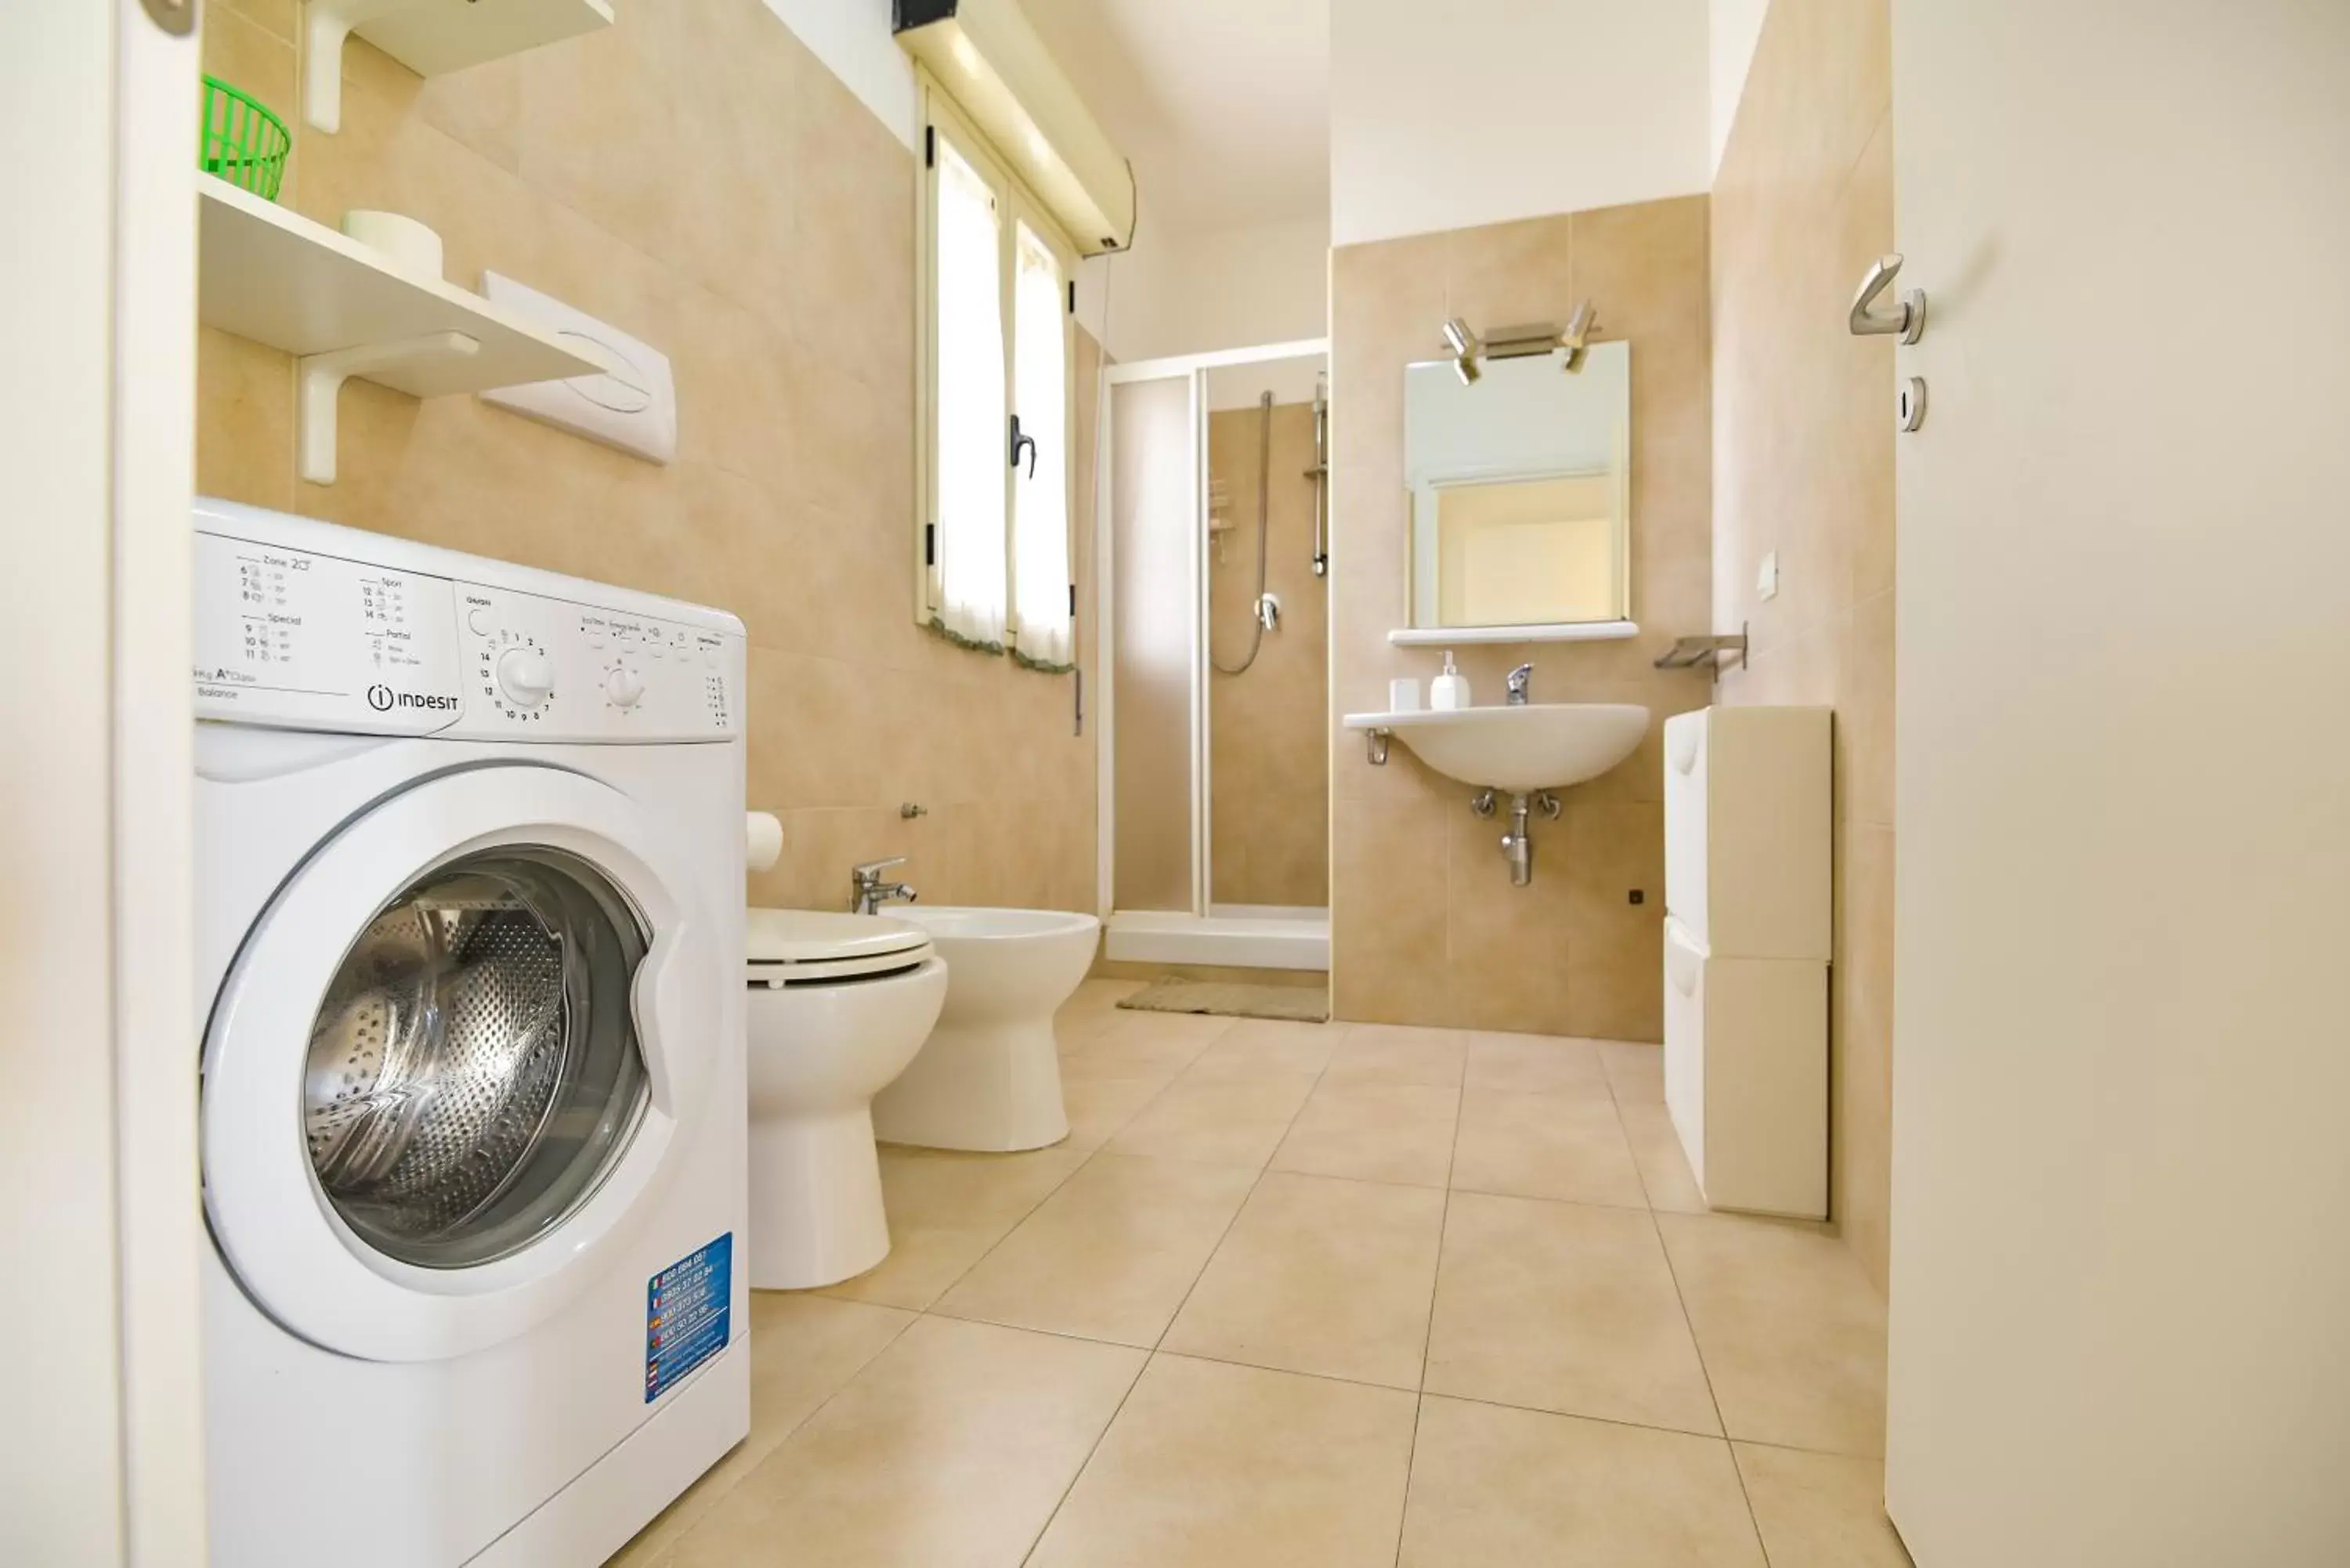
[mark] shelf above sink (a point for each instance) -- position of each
(1559, 631)
(1516, 750)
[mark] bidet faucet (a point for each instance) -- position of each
(871, 892)
(1518, 679)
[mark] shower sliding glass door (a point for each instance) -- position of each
(1156, 795)
(1214, 749)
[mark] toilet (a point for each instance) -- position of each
(989, 1077)
(838, 1005)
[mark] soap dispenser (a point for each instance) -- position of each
(1450, 689)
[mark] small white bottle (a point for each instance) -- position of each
(1450, 689)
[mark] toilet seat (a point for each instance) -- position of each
(810, 947)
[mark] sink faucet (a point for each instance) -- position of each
(1518, 679)
(872, 892)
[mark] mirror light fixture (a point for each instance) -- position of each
(1578, 329)
(1466, 350)
(1470, 351)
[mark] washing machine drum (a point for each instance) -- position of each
(474, 1067)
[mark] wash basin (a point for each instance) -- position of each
(1517, 750)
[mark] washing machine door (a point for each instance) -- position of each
(448, 1067)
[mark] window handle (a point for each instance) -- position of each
(1021, 442)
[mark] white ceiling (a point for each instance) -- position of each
(1223, 105)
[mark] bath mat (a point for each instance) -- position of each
(1231, 999)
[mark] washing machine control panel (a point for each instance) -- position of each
(299, 639)
(536, 664)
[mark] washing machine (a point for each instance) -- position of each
(470, 884)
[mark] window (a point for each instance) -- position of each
(996, 463)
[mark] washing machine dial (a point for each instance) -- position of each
(526, 676)
(624, 687)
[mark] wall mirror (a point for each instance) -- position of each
(1521, 492)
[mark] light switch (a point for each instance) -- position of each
(1766, 581)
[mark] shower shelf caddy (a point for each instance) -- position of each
(342, 309)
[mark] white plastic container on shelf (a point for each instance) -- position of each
(1749, 900)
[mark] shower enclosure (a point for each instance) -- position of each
(1214, 753)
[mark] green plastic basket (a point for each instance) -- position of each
(244, 143)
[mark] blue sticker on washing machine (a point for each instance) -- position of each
(689, 1313)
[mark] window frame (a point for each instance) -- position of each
(1019, 205)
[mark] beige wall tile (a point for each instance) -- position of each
(599, 127)
(950, 1451)
(1269, 752)
(244, 442)
(1616, 952)
(1389, 857)
(1321, 1276)
(1563, 1307)
(1802, 452)
(277, 15)
(1110, 1255)
(1494, 1486)
(480, 107)
(1792, 1332)
(1303, 1470)
(1511, 947)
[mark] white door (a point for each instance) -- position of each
(448, 1062)
(2120, 1291)
(97, 1107)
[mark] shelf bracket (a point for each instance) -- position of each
(322, 377)
(1377, 741)
(327, 25)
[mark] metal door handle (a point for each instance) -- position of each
(1019, 441)
(177, 17)
(1909, 321)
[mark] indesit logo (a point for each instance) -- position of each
(383, 699)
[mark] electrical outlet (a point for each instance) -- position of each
(1766, 581)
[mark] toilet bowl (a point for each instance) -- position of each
(838, 1005)
(989, 1077)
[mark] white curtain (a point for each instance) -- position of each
(1040, 594)
(970, 413)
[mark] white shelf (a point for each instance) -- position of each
(344, 309)
(431, 37)
(1563, 631)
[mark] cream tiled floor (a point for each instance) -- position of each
(1301, 1296)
